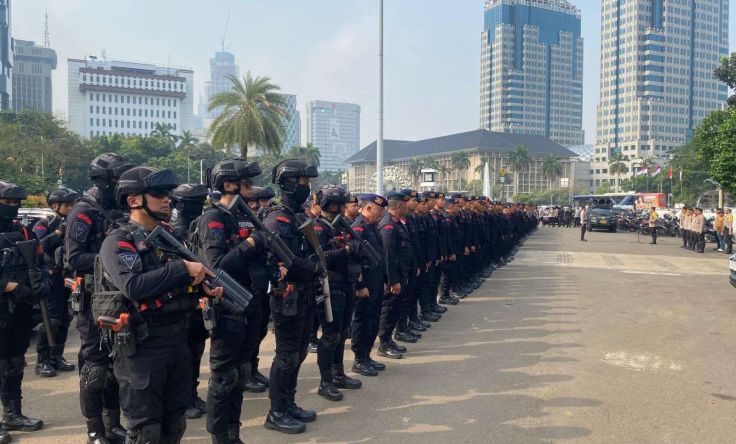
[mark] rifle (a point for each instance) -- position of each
(370, 253)
(275, 243)
(236, 298)
(307, 230)
(27, 250)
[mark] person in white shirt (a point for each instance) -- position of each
(583, 223)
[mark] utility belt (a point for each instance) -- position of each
(81, 288)
(285, 297)
(124, 337)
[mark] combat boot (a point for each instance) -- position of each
(4, 436)
(252, 385)
(96, 431)
(446, 300)
(282, 422)
(364, 367)
(385, 350)
(430, 317)
(300, 414)
(378, 366)
(58, 361)
(258, 376)
(400, 348)
(344, 381)
(329, 391)
(44, 366)
(13, 418)
(233, 433)
(404, 336)
(115, 431)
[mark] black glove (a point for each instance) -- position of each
(22, 294)
(261, 240)
(356, 248)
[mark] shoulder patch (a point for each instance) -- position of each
(283, 219)
(126, 246)
(129, 259)
(388, 227)
(84, 218)
(358, 229)
(215, 224)
(318, 228)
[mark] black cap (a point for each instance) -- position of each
(395, 195)
(374, 198)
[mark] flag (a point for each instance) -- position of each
(669, 173)
(642, 172)
(657, 170)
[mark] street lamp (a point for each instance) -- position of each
(379, 140)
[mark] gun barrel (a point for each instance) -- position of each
(276, 244)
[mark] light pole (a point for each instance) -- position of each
(379, 140)
(201, 171)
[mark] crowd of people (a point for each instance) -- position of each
(152, 269)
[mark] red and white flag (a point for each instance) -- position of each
(642, 172)
(669, 173)
(657, 170)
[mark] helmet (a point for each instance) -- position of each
(292, 168)
(231, 170)
(189, 191)
(143, 179)
(108, 167)
(331, 194)
(9, 190)
(62, 195)
(265, 193)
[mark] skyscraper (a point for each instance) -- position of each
(6, 56)
(292, 123)
(32, 76)
(657, 83)
(221, 66)
(334, 128)
(532, 69)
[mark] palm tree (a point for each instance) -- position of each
(551, 168)
(459, 162)
(162, 131)
(617, 166)
(519, 160)
(310, 153)
(252, 116)
(186, 143)
(415, 166)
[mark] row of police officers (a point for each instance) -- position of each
(151, 273)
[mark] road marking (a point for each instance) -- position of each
(640, 361)
(632, 263)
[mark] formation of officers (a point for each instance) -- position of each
(693, 228)
(369, 268)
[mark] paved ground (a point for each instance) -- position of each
(606, 341)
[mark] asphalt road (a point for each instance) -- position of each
(611, 340)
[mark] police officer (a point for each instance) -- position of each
(51, 235)
(352, 209)
(368, 310)
(21, 283)
(344, 266)
(429, 313)
(234, 338)
(456, 246)
(404, 331)
(292, 298)
(187, 202)
(89, 221)
(148, 293)
(398, 258)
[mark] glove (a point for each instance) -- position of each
(356, 248)
(260, 239)
(22, 294)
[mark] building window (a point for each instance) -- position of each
(91, 109)
(91, 121)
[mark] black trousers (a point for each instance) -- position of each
(154, 389)
(654, 235)
(196, 338)
(426, 298)
(60, 319)
(583, 229)
(15, 337)
(365, 321)
(390, 313)
(700, 242)
(292, 339)
(449, 275)
(232, 346)
(98, 387)
(331, 348)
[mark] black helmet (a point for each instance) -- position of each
(9, 190)
(62, 195)
(231, 170)
(266, 193)
(292, 168)
(189, 191)
(331, 194)
(108, 167)
(143, 179)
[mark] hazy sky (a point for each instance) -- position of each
(317, 49)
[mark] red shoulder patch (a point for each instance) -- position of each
(388, 227)
(127, 246)
(318, 228)
(84, 218)
(283, 219)
(358, 229)
(215, 225)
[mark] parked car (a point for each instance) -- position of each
(602, 218)
(29, 216)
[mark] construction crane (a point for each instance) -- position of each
(224, 34)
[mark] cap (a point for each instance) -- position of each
(408, 192)
(395, 195)
(440, 195)
(457, 196)
(374, 198)
(429, 194)
(352, 198)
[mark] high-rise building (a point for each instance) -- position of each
(128, 98)
(532, 69)
(334, 128)
(657, 83)
(32, 76)
(292, 123)
(6, 56)
(221, 66)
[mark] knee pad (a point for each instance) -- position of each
(16, 365)
(172, 432)
(223, 382)
(287, 362)
(244, 374)
(144, 435)
(330, 340)
(92, 377)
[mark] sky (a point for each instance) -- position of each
(316, 49)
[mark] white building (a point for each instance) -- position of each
(334, 128)
(532, 69)
(222, 65)
(292, 123)
(657, 83)
(128, 98)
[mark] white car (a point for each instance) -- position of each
(29, 216)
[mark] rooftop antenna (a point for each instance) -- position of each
(103, 53)
(46, 38)
(224, 34)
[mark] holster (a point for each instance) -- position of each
(284, 299)
(208, 313)
(125, 342)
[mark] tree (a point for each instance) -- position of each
(604, 188)
(163, 132)
(616, 167)
(726, 73)
(308, 153)
(460, 162)
(415, 166)
(714, 140)
(252, 116)
(551, 168)
(519, 161)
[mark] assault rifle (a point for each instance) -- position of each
(307, 230)
(274, 242)
(27, 250)
(370, 253)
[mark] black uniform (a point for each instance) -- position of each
(398, 257)
(98, 388)
(428, 297)
(235, 339)
(153, 366)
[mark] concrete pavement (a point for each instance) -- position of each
(611, 340)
